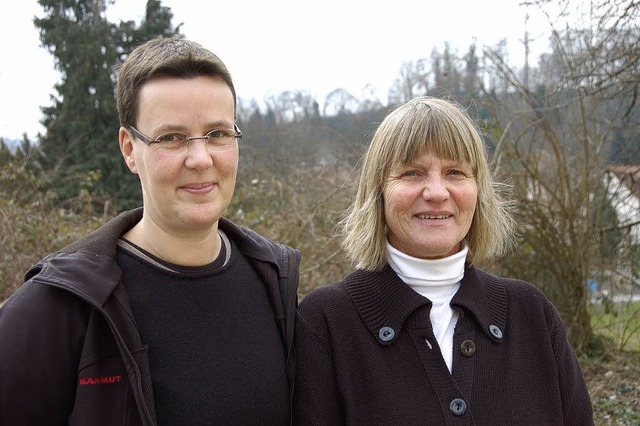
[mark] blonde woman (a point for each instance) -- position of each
(417, 334)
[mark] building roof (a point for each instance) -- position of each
(629, 175)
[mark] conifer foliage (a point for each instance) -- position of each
(81, 124)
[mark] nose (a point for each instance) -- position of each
(435, 188)
(198, 156)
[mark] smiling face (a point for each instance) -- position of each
(187, 189)
(429, 206)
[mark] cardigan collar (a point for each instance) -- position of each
(384, 301)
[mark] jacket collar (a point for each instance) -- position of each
(383, 300)
(255, 246)
(484, 296)
(84, 259)
(72, 271)
(102, 242)
(90, 260)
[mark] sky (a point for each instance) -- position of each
(278, 45)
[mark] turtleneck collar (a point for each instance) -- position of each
(428, 272)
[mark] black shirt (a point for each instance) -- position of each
(215, 351)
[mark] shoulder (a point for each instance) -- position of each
(88, 275)
(257, 246)
(52, 306)
(513, 287)
(338, 292)
(103, 240)
(324, 312)
(523, 299)
(330, 293)
(328, 299)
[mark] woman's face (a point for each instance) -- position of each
(183, 189)
(429, 206)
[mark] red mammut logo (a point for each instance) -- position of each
(105, 380)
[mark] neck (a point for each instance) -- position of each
(445, 272)
(195, 249)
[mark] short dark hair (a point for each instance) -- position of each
(163, 56)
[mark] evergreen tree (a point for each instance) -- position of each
(6, 155)
(81, 136)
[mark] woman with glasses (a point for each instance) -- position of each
(169, 314)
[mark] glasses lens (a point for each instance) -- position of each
(221, 140)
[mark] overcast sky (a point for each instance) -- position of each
(277, 45)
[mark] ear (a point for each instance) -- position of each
(127, 148)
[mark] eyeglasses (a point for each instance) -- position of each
(217, 139)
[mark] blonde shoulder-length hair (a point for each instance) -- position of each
(442, 128)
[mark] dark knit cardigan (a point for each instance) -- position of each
(366, 355)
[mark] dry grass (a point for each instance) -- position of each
(614, 386)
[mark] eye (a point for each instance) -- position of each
(459, 173)
(410, 173)
(219, 134)
(171, 138)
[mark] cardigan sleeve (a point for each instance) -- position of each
(316, 400)
(576, 402)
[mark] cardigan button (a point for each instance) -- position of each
(468, 348)
(386, 334)
(495, 331)
(458, 407)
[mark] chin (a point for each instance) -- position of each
(201, 216)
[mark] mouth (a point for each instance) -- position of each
(199, 187)
(433, 216)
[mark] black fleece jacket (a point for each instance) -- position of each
(70, 352)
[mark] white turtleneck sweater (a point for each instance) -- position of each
(437, 280)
